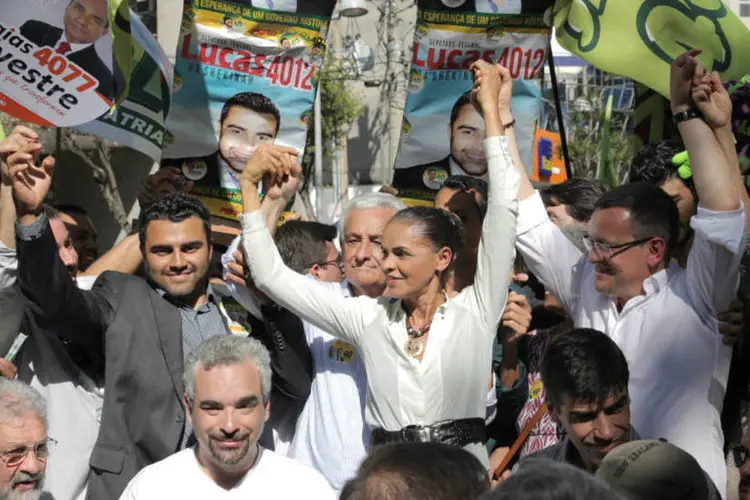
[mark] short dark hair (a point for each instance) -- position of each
(254, 102)
(652, 212)
(578, 195)
(441, 227)
(418, 471)
(174, 207)
(462, 101)
(303, 243)
(653, 165)
(468, 183)
(583, 365)
(544, 479)
(71, 208)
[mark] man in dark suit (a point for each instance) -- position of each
(85, 21)
(145, 327)
(466, 132)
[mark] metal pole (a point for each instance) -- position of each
(318, 127)
(558, 109)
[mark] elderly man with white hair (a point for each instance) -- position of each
(24, 446)
(227, 386)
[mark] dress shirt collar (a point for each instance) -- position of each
(457, 170)
(74, 47)
(212, 299)
(229, 178)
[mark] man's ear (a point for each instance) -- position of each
(315, 271)
(657, 249)
(267, 405)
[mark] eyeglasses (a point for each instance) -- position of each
(16, 456)
(739, 454)
(338, 262)
(611, 251)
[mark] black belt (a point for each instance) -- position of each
(456, 432)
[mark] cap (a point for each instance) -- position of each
(654, 470)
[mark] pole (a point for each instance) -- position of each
(318, 128)
(558, 109)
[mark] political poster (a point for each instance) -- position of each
(244, 75)
(56, 64)
(639, 39)
(138, 122)
(548, 165)
(442, 131)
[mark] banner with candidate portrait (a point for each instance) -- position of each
(244, 75)
(442, 131)
(138, 122)
(56, 64)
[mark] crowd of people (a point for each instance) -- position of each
(513, 341)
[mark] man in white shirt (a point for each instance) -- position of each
(227, 386)
(662, 317)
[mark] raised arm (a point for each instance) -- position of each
(78, 316)
(713, 175)
(546, 250)
(719, 117)
(125, 257)
(312, 301)
(496, 252)
(714, 259)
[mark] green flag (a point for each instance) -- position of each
(607, 174)
(640, 38)
(122, 47)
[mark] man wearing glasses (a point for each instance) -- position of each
(663, 317)
(24, 446)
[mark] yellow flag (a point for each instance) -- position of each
(122, 47)
(639, 39)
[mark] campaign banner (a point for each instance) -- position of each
(639, 39)
(548, 165)
(442, 131)
(138, 122)
(244, 76)
(56, 64)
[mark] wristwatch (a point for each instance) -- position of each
(689, 114)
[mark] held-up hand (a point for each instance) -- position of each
(274, 163)
(7, 368)
(487, 85)
(286, 190)
(236, 271)
(20, 138)
(516, 318)
(712, 99)
(684, 69)
(30, 183)
(162, 183)
(505, 95)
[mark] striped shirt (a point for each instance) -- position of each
(331, 434)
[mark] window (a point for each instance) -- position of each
(744, 8)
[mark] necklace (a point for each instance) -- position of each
(415, 347)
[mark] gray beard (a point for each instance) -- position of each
(25, 495)
(8, 493)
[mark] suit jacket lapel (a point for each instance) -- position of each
(169, 327)
(51, 37)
